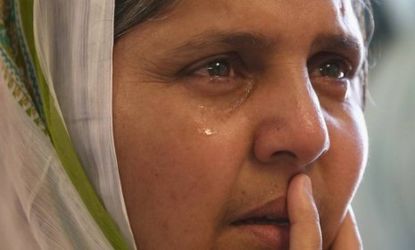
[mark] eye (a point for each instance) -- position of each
(217, 75)
(331, 75)
(334, 69)
(219, 68)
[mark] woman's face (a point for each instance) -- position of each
(218, 104)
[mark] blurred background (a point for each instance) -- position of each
(385, 203)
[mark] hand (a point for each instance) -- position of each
(348, 237)
(305, 231)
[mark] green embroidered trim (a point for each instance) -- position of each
(20, 94)
(54, 123)
(13, 67)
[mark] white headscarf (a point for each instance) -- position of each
(40, 207)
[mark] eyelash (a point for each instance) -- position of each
(232, 60)
(325, 61)
(217, 75)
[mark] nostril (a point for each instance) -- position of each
(284, 154)
(300, 138)
(302, 153)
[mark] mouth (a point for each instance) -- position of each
(266, 225)
(264, 220)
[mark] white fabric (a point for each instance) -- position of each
(40, 207)
(81, 32)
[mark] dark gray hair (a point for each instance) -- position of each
(129, 13)
(364, 13)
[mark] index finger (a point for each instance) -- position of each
(305, 232)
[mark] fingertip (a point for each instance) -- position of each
(298, 185)
(300, 197)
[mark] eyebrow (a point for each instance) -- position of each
(224, 39)
(345, 43)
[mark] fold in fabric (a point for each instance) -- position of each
(56, 96)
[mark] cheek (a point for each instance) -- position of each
(175, 177)
(340, 171)
(351, 143)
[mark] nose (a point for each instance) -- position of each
(291, 121)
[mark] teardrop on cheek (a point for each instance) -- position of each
(208, 131)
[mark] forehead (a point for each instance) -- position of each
(283, 12)
(274, 19)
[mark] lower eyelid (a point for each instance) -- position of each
(333, 89)
(214, 87)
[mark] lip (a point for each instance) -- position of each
(272, 235)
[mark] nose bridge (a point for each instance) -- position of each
(293, 119)
(306, 123)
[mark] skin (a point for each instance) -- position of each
(194, 149)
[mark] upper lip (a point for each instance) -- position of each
(274, 210)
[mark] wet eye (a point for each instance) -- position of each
(219, 68)
(217, 75)
(331, 75)
(330, 67)
(226, 66)
(333, 70)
